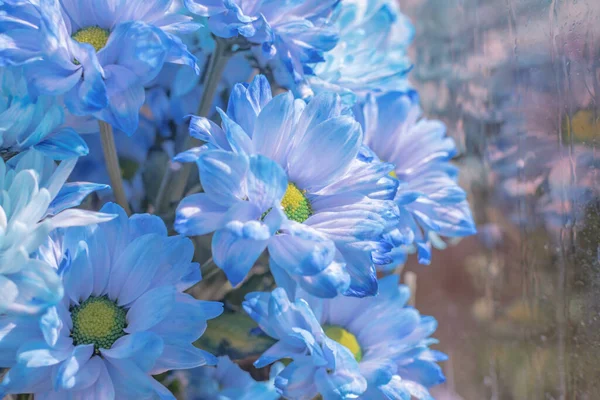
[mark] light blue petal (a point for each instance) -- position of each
(302, 250)
(324, 153)
(38, 354)
(126, 97)
(14, 331)
(426, 373)
(348, 383)
(51, 325)
(90, 94)
(237, 246)
(274, 128)
(150, 309)
(140, 348)
(222, 175)
(72, 194)
(63, 144)
(143, 224)
(266, 182)
(182, 357)
(137, 265)
(206, 130)
(198, 215)
(238, 139)
(129, 380)
(72, 371)
(245, 102)
(205, 8)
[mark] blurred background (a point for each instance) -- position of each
(515, 81)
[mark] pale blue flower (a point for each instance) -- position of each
(227, 381)
(33, 201)
(544, 167)
(38, 123)
(97, 53)
(431, 202)
(371, 55)
(319, 363)
(388, 343)
(289, 35)
(285, 175)
(123, 318)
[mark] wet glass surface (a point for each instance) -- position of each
(516, 81)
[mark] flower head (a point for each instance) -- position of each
(371, 55)
(370, 348)
(430, 201)
(123, 317)
(97, 53)
(543, 161)
(290, 35)
(37, 123)
(285, 175)
(34, 197)
(227, 381)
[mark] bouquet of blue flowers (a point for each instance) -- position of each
(274, 148)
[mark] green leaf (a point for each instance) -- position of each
(233, 334)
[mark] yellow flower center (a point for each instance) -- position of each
(98, 321)
(295, 204)
(584, 126)
(393, 174)
(93, 35)
(344, 338)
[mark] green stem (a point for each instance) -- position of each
(175, 180)
(209, 269)
(112, 165)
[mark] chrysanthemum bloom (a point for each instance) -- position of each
(304, 197)
(34, 123)
(544, 164)
(370, 348)
(228, 382)
(98, 53)
(431, 202)
(371, 55)
(290, 35)
(33, 189)
(123, 318)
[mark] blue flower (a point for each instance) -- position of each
(290, 35)
(431, 202)
(284, 175)
(124, 315)
(228, 382)
(319, 363)
(371, 54)
(32, 203)
(39, 123)
(544, 167)
(97, 53)
(375, 347)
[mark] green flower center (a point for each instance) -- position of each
(98, 321)
(582, 127)
(295, 204)
(93, 35)
(344, 338)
